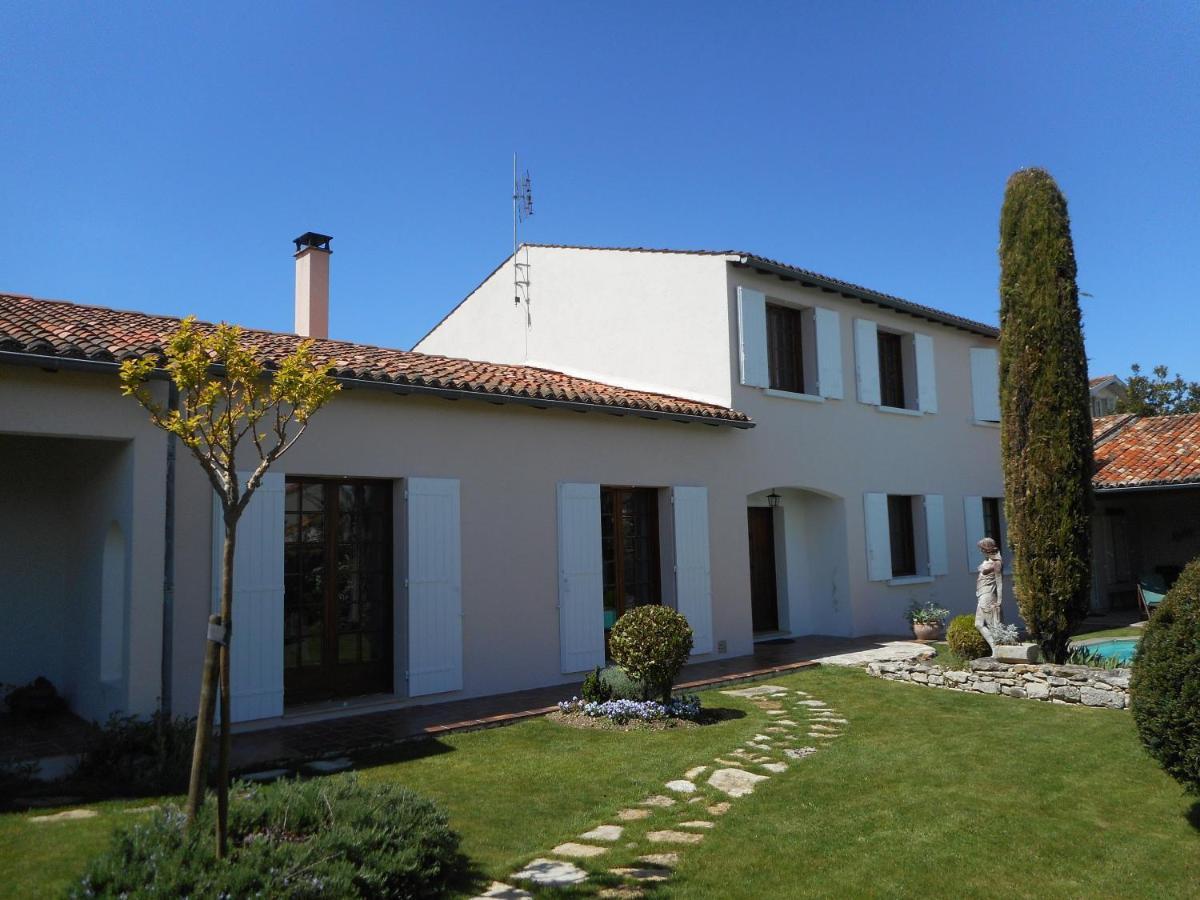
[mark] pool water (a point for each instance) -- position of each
(1120, 649)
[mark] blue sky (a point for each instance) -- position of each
(162, 157)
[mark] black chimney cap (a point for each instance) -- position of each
(310, 239)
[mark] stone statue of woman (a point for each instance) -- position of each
(989, 587)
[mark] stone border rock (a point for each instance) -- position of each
(1081, 685)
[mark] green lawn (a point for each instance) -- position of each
(929, 792)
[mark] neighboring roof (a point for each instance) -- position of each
(826, 283)
(34, 330)
(1103, 380)
(1150, 451)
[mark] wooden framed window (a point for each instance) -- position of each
(891, 370)
(785, 348)
(337, 588)
(903, 536)
(630, 552)
(991, 520)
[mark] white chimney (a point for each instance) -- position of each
(312, 284)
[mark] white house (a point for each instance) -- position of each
(768, 450)
(878, 418)
(1107, 391)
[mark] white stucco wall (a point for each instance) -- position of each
(651, 321)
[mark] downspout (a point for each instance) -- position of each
(168, 619)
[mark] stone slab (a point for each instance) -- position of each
(680, 787)
(662, 860)
(670, 836)
(67, 815)
(758, 690)
(631, 815)
(578, 851)
(498, 890)
(603, 833)
(551, 872)
(658, 800)
(695, 772)
(719, 809)
(735, 782)
(642, 873)
(697, 823)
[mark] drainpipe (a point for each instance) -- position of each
(168, 620)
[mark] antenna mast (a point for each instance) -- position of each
(522, 210)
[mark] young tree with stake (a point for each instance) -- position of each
(227, 400)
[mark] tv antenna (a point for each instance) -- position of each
(522, 210)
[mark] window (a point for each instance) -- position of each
(991, 520)
(891, 370)
(337, 637)
(629, 543)
(903, 535)
(785, 348)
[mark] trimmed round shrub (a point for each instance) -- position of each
(327, 837)
(1165, 688)
(965, 640)
(651, 643)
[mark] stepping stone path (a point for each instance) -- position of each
(788, 715)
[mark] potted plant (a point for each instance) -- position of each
(1010, 649)
(927, 620)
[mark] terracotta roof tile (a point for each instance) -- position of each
(68, 330)
(1146, 451)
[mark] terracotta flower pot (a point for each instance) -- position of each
(927, 632)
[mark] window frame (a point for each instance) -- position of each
(902, 535)
(786, 357)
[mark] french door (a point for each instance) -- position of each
(764, 597)
(337, 588)
(629, 549)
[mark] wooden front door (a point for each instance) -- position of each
(337, 588)
(764, 600)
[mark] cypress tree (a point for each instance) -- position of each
(1046, 426)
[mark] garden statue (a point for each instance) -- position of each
(989, 587)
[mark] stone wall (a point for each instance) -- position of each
(1036, 681)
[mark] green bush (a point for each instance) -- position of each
(594, 689)
(619, 686)
(328, 837)
(136, 755)
(651, 643)
(965, 640)
(1165, 689)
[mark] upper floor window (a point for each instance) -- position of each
(891, 372)
(895, 370)
(785, 348)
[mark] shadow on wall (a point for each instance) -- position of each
(63, 521)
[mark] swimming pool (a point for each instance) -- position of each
(1121, 649)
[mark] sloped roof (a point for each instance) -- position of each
(1146, 451)
(61, 330)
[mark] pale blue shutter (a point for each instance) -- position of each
(878, 537)
(256, 647)
(580, 578)
(829, 353)
(434, 586)
(752, 336)
(985, 383)
(935, 532)
(866, 361)
(693, 580)
(973, 521)
(926, 373)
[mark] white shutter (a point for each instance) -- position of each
(693, 582)
(752, 336)
(434, 577)
(256, 645)
(926, 374)
(985, 383)
(879, 537)
(973, 519)
(829, 353)
(935, 532)
(580, 578)
(866, 361)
